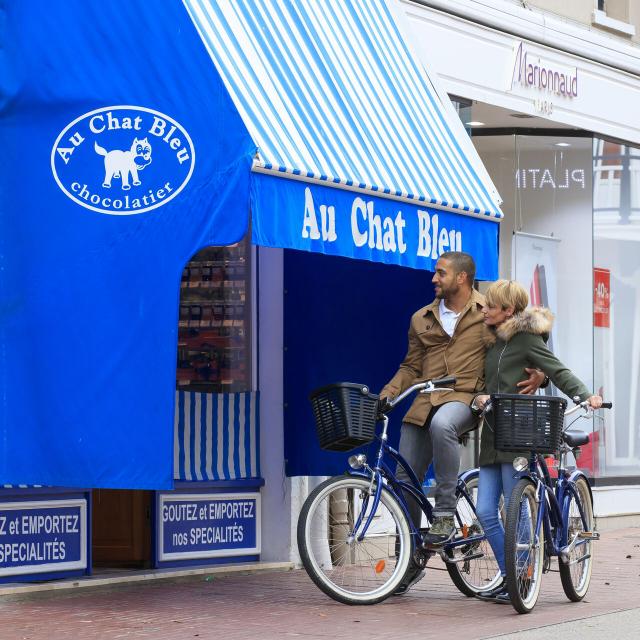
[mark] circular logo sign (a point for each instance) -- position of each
(123, 160)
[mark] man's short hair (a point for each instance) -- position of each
(461, 262)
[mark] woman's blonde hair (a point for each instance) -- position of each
(507, 293)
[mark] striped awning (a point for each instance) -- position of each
(330, 93)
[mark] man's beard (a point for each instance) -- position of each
(445, 294)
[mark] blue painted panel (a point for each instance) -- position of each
(344, 320)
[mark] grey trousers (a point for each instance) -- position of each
(437, 441)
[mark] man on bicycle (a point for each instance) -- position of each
(445, 339)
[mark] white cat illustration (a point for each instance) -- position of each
(119, 164)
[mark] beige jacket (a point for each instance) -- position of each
(433, 354)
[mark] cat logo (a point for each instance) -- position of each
(123, 160)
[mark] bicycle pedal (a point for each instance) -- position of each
(589, 535)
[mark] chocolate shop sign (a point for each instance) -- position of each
(547, 78)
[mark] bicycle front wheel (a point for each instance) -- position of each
(349, 569)
(575, 565)
(523, 551)
(472, 567)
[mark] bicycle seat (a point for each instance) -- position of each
(575, 439)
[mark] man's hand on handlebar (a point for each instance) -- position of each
(384, 406)
(532, 383)
(479, 402)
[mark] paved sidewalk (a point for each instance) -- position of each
(286, 604)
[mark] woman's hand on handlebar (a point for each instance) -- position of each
(595, 402)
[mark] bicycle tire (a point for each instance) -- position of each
(523, 559)
(472, 576)
(350, 571)
(573, 524)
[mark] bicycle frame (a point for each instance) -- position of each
(382, 471)
(554, 504)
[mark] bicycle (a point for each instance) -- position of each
(544, 520)
(354, 533)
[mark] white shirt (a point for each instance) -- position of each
(448, 318)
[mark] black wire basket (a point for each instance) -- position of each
(527, 423)
(345, 415)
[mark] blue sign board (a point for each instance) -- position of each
(208, 525)
(339, 222)
(39, 537)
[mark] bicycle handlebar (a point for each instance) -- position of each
(428, 386)
(585, 405)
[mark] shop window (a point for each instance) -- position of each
(214, 341)
(616, 231)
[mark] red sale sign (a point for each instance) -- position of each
(601, 296)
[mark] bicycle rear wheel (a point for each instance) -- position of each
(575, 566)
(347, 569)
(471, 575)
(524, 554)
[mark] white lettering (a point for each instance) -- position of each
(577, 175)
(424, 236)
(328, 222)
(400, 225)
(309, 223)
(375, 228)
(443, 241)
(359, 238)
(546, 178)
(389, 237)
(434, 235)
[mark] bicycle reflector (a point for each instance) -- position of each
(520, 464)
(358, 461)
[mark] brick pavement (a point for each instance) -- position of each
(286, 604)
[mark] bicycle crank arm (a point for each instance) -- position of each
(582, 535)
(578, 560)
(448, 560)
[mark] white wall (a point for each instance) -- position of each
(477, 62)
(276, 500)
(282, 497)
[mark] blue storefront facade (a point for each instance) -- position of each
(311, 135)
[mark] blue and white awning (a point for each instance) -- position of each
(136, 156)
(329, 91)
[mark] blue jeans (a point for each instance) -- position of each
(495, 480)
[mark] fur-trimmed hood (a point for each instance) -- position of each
(536, 320)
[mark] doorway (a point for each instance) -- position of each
(121, 528)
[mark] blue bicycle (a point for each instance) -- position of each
(545, 517)
(355, 536)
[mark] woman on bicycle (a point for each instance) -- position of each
(516, 338)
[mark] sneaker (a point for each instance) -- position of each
(412, 576)
(441, 531)
(492, 594)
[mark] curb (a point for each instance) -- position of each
(142, 576)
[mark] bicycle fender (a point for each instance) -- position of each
(580, 474)
(469, 474)
(575, 475)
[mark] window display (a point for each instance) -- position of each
(213, 327)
